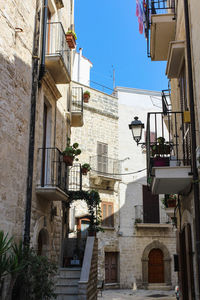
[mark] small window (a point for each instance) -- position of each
(107, 214)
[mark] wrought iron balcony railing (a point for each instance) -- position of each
(166, 104)
(105, 166)
(77, 100)
(154, 7)
(173, 148)
(75, 178)
(56, 45)
(54, 171)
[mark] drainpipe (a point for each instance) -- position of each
(44, 34)
(34, 89)
(35, 77)
(193, 139)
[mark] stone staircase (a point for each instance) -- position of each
(67, 283)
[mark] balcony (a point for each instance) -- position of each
(175, 59)
(55, 178)
(75, 178)
(166, 101)
(159, 27)
(53, 175)
(57, 58)
(140, 222)
(105, 171)
(77, 107)
(168, 163)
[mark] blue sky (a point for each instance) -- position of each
(107, 30)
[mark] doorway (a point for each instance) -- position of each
(43, 243)
(156, 266)
(111, 267)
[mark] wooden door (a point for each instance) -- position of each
(111, 267)
(156, 266)
(150, 206)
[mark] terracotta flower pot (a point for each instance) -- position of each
(171, 202)
(86, 98)
(68, 160)
(70, 40)
(84, 171)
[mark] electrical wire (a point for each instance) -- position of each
(119, 174)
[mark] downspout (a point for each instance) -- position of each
(34, 90)
(193, 139)
(44, 34)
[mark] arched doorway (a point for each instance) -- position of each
(156, 266)
(43, 242)
(165, 257)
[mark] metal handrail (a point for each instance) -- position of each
(166, 96)
(172, 128)
(105, 166)
(54, 172)
(154, 7)
(77, 99)
(56, 44)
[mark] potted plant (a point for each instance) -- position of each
(171, 200)
(71, 39)
(85, 168)
(160, 147)
(86, 96)
(70, 152)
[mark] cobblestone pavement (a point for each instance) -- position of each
(136, 295)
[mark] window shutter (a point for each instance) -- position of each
(110, 215)
(102, 159)
(107, 214)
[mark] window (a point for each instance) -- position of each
(102, 157)
(107, 214)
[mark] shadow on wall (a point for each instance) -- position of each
(15, 94)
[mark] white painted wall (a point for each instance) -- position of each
(81, 69)
(133, 102)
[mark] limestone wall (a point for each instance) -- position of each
(16, 46)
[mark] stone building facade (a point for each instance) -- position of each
(24, 86)
(140, 232)
(98, 140)
(181, 51)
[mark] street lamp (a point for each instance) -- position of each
(136, 127)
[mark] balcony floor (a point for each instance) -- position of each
(57, 68)
(162, 32)
(171, 180)
(51, 193)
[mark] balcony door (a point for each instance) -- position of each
(47, 152)
(102, 157)
(150, 206)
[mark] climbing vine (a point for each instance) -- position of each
(93, 201)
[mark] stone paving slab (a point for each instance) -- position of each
(136, 295)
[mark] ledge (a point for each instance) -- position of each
(153, 225)
(175, 59)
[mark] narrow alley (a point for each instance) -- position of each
(136, 295)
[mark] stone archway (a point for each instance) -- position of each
(166, 259)
(43, 243)
(41, 236)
